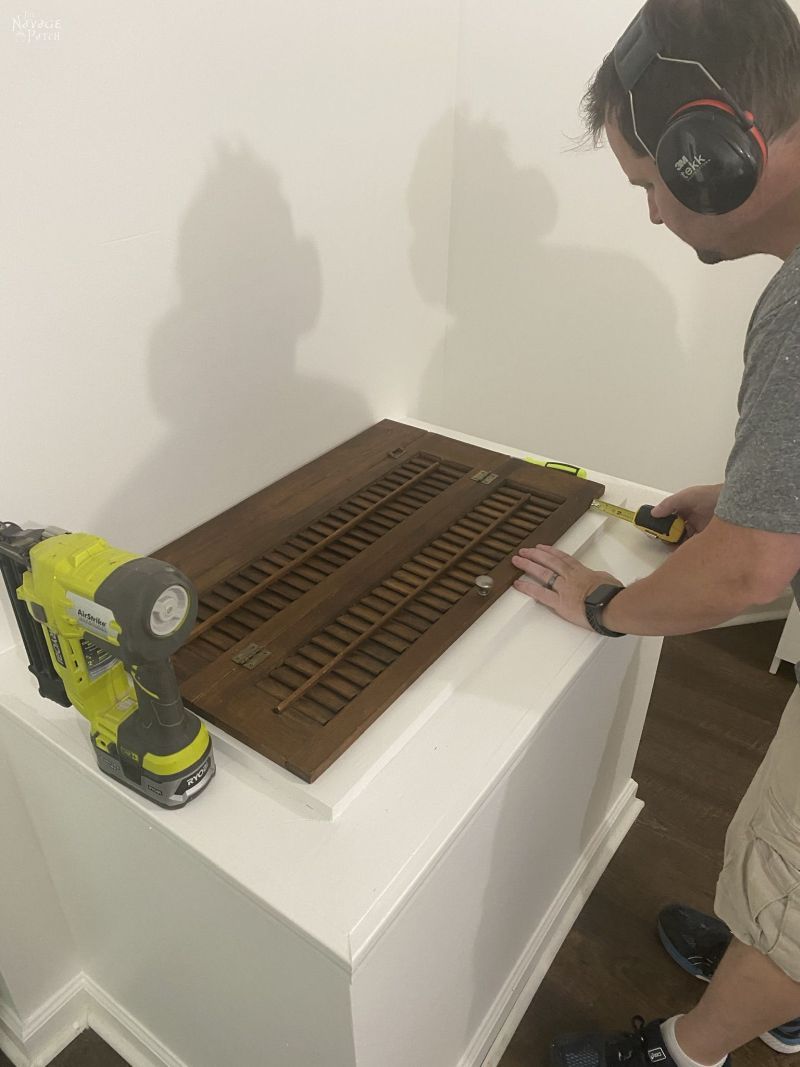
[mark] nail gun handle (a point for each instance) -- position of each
(159, 697)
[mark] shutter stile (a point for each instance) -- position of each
(299, 648)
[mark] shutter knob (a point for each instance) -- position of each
(484, 583)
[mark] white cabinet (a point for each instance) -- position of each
(401, 910)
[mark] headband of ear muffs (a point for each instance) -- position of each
(711, 154)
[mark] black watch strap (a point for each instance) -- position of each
(595, 604)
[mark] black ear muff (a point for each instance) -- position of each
(709, 159)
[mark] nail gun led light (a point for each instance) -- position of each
(169, 611)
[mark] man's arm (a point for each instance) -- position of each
(714, 577)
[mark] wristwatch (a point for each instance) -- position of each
(594, 604)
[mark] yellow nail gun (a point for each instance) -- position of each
(99, 627)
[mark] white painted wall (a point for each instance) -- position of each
(577, 329)
(206, 244)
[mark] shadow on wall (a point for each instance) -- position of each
(543, 338)
(222, 362)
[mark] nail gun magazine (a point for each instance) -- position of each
(99, 626)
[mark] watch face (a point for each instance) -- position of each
(600, 596)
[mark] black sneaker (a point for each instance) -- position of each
(644, 1047)
(697, 943)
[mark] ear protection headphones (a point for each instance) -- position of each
(711, 154)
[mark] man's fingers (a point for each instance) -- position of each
(546, 548)
(537, 592)
(677, 504)
(544, 552)
(559, 561)
(555, 552)
(541, 572)
(668, 505)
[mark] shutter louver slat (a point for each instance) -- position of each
(327, 543)
(412, 582)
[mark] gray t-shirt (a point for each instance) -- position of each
(762, 478)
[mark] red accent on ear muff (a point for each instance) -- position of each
(754, 130)
(704, 103)
(759, 136)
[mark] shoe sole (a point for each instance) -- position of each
(777, 1045)
(769, 1039)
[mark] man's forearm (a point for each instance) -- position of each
(695, 589)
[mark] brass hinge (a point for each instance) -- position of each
(484, 476)
(251, 656)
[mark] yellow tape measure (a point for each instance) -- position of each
(671, 529)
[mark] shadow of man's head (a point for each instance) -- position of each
(249, 289)
(497, 206)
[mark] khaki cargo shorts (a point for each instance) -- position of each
(758, 892)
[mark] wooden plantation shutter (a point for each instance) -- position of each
(327, 594)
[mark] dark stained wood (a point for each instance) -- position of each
(229, 540)
(323, 597)
(714, 711)
(87, 1050)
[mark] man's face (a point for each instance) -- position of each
(714, 238)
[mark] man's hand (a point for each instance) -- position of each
(694, 505)
(568, 590)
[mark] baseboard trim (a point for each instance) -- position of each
(35, 1041)
(10, 1036)
(124, 1033)
(81, 1003)
(494, 1035)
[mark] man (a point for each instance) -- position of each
(728, 184)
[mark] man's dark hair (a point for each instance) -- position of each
(751, 47)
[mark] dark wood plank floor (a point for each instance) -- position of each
(87, 1050)
(714, 710)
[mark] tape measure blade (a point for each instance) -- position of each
(613, 509)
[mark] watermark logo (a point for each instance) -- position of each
(688, 168)
(32, 28)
